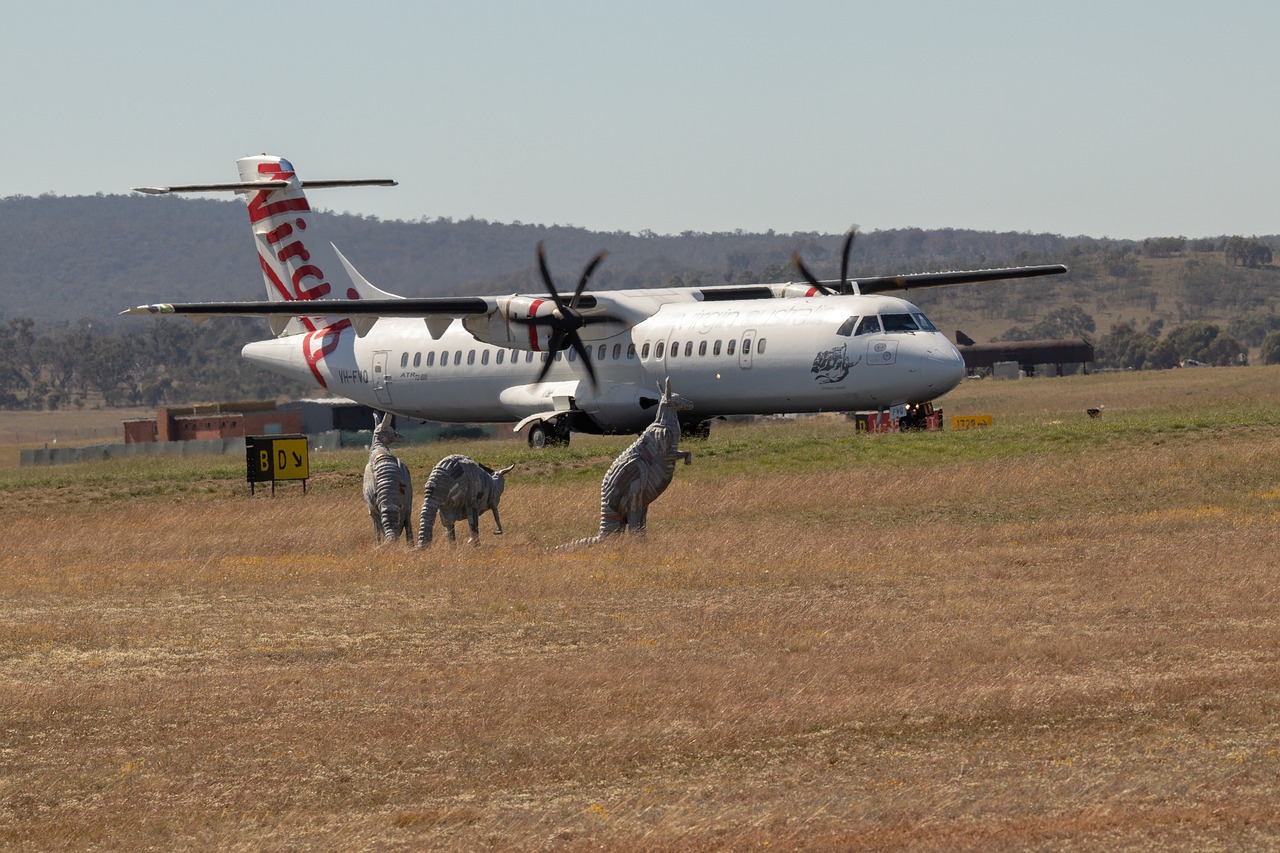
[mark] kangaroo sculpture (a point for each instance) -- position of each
(642, 472)
(460, 487)
(388, 489)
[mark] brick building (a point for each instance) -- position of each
(213, 420)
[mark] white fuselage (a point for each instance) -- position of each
(754, 356)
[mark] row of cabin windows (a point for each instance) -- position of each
(676, 352)
(601, 353)
(447, 358)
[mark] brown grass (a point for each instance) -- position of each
(1074, 648)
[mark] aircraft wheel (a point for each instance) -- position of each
(537, 435)
(561, 432)
(699, 431)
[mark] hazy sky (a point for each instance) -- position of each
(1110, 118)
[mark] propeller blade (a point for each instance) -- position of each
(808, 276)
(546, 277)
(586, 274)
(565, 321)
(553, 346)
(844, 260)
(585, 355)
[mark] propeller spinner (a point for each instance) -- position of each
(846, 286)
(566, 319)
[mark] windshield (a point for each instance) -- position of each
(915, 322)
(899, 323)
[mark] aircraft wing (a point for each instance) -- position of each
(452, 306)
(883, 284)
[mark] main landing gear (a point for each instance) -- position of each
(552, 433)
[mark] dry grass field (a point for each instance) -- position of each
(1059, 633)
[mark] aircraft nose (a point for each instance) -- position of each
(943, 366)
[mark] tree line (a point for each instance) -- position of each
(173, 363)
(1207, 299)
(161, 363)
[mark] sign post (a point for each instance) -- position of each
(276, 457)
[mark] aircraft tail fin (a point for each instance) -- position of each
(297, 262)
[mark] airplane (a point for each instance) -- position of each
(578, 362)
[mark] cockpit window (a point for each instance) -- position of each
(870, 325)
(899, 323)
(924, 323)
(846, 328)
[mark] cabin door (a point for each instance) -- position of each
(381, 381)
(745, 347)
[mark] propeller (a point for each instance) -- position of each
(566, 319)
(845, 285)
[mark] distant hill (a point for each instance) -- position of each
(72, 259)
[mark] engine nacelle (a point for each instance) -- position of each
(798, 291)
(501, 327)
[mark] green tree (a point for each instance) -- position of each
(1270, 349)
(1124, 347)
(1163, 247)
(1205, 342)
(1253, 327)
(1247, 252)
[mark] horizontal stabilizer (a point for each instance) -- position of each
(253, 186)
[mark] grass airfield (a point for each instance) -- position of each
(1058, 633)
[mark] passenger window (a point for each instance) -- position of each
(528, 357)
(404, 359)
(457, 358)
(675, 350)
(502, 354)
(644, 353)
(600, 352)
(870, 325)
(746, 346)
(417, 359)
(702, 348)
(899, 323)
(444, 359)
(431, 359)
(657, 351)
(617, 351)
(484, 357)
(688, 349)
(760, 347)
(471, 357)
(846, 328)
(573, 355)
(729, 349)
(715, 349)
